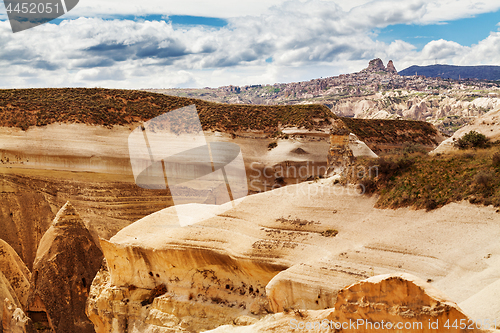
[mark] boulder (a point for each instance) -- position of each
(66, 263)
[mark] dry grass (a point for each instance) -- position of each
(24, 108)
(388, 131)
(427, 182)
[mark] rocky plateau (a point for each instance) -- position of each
(300, 245)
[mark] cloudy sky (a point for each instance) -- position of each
(199, 43)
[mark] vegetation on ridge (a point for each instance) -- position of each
(429, 182)
(24, 108)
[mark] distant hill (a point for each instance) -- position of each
(491, 73)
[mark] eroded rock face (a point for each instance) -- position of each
(278, 250)
(67, 261)
(24, 217)
(340, 155)
(16, 276)
(397, 298)
(309, 286)
(391, 68)
(13, 319)
(369, 305)
(376, 65)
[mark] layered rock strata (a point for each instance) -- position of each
(404, 302)
(281, 250)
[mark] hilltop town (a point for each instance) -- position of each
(377, 92)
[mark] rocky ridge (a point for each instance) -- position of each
(377, 92)
(380, 303)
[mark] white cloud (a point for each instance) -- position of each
(305, 39)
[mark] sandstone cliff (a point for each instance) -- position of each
(303, 241)
(398, 299)
(16, 274)
(13, 318)
(67, 261)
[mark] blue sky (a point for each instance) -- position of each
(466, 31)
(195, 43)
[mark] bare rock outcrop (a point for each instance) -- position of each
(278, 250)
(67, 260)
(391, 68)
(340, 155)
(399, 300)
(310, 286)
(375, 65)
(384, 303)
(24, 217)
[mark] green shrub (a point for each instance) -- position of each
(330, 233)
(272, 145)
(472, 139)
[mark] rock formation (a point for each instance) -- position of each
(67, 260)
(393, 302)
(375, 65)
(400, 300)
(24, 218)
(303, 241)
(310, 286)
(359, 148)
(340, 155)
(13, 320)
(391, 68)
